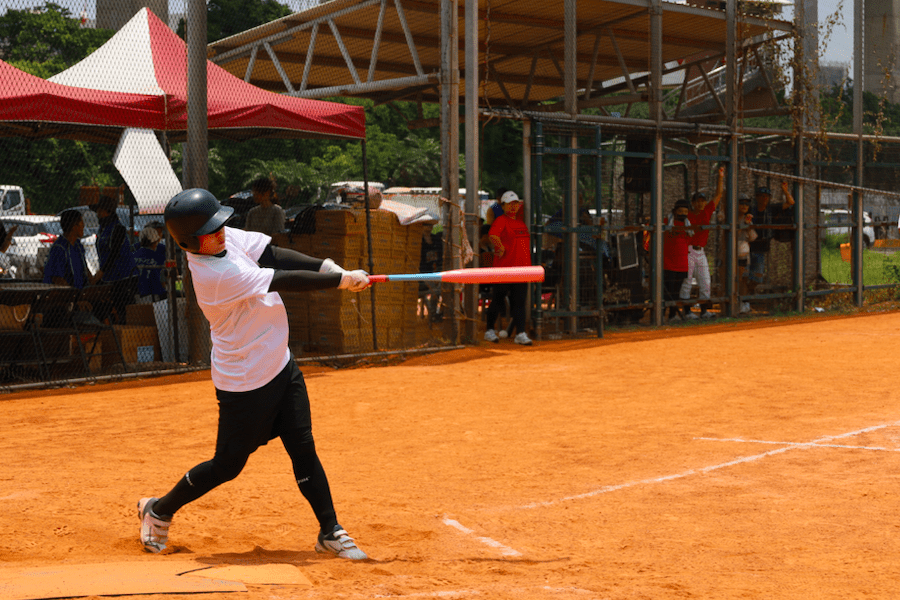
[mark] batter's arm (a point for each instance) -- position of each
(286, 259)
(303, 281)
(295, 271)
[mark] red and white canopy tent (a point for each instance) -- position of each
(35, 108)
(146, 57)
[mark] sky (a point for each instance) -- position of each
(839, 47)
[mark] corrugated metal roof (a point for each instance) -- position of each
(521, 42)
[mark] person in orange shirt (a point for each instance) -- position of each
(698, 266)
(512, 248)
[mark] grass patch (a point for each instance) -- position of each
(878, 267)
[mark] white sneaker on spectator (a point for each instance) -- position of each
(491, 336)
(745, 307)
(522, 339)
(707, 315)
(690, 316)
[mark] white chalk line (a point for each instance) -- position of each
(745, 459)
(800, 444)
(504, 550)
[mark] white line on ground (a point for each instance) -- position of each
(504, 550)
(799, 444)
(745, 459)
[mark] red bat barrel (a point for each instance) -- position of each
(479, 275)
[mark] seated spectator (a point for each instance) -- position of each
(149, 260)
(65, 263)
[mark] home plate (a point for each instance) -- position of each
(144, 577)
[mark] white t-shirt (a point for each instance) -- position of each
(248, 323)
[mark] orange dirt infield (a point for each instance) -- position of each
(744, 459)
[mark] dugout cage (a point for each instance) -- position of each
(835, 247)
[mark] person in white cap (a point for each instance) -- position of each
(512, 248)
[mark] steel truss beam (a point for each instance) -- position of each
(546, 69)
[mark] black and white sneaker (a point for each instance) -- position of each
(154, 529)
(339, 543)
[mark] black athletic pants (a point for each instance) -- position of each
(672, 281)
(518, 297)
(248, 420)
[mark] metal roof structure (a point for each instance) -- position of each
(538, 60)
(389, 50)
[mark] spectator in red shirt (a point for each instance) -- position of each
(512, 248)
(676, 238)
(698, 266)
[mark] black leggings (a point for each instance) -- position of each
(672, 281)
(518, 297)
(248, 420)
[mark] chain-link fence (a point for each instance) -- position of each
(751, 265)
(91, 286)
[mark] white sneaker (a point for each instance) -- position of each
(707, 315)
(339, 543)
(491, 336)
(745, 307)
(522, 339)
(690, 316)
(154, 529)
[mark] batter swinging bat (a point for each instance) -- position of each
(479, 275)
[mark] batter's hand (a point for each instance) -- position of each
(329, 266)
(355, 281)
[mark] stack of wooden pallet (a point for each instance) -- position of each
(341, 322)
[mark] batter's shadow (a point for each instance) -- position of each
(261, 556)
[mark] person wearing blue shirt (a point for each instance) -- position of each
(116, 259)
(65, 263)
(148, 259)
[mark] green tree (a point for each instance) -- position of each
(419, 161)
(501, 156)
(46, 39)
(225, 18)
(43, 42)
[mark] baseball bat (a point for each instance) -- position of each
(478, 275)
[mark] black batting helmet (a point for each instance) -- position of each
(192, 213)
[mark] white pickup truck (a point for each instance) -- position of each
(12, 200)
